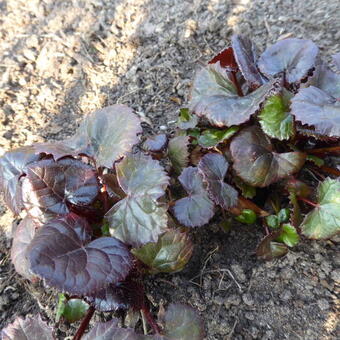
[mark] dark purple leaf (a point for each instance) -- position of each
(122, 296)
(214, 168)
(13, 164)
(63, 254)
(226, 59)
(324, 79)
(336, 60)
(21, 240)
(256, 162)
(295, 57)
(27, 329)
(226, 109)
(109, 331)
(139, 218)
(57, 149)
(246, 57)
(183, 323)
(49, 186)
(112, 186)
(268, 249)
(107, 134)
(155, 143)
(196, 209)
(316, 108)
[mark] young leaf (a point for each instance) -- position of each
(49, 186)
(109, 331)
(196, 209)
(268, 249)
(294, 57)
(273, 221)
(214, 168)
(178, 152)
(21, 240)
(256, 163)
(324, 220)
(316, 160)
(155, 143)
(283, 215)
(288, 235)
(122, 296)
(275, 119)
(247, 190)
(63, 254)
(182, 323)
(226, 59)
(13, 164)
(29, 328)
(60, 307)
(139, 218)
(211, 137)
(246, 57)
(226, 109)
(107, 134)
(75, 310)
(186, 120)
(315, 107)
(169, 254)
(247, 216)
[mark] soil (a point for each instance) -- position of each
(62, 59)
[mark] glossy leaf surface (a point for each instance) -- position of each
(196, 209)
(246, 56)
(63, 254)
(178, 152)
(314, 107)
(139, 218)
(75, 310)
(211, 137)
(169, 254)
(12, 165)
(107, 134)
(214, 167)
(275, 119)
(21, 240)
(324, 220)
(226, 59)
(27, 329)
(256, 162)
(50, 186)
(295, 57)
(155, 143)
(268, 249)
(289, 235)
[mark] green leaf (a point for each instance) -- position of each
(169, 254)
(183, 323)
(324, 220)
(247, 190)
(255, 161)
(275, 119)
(273, 221)
(178, 152)
(283, 215)
(61, 306)
(75, 310)
(316, 160)
(211, 137)
(288, 235)
(186, 120)
(247, 216)
(139, 218)
(107, 134)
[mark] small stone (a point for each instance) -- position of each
(247, 299)
(232, 300)
(286, 295)
(249, 316)
(323, 304)
(239, 273)
(163, 127)
(335, 275)
(219, 300)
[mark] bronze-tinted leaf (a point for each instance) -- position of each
(256, 162)
(196, 209)
(63, 254)
(178, 152)
(155, 143)
(268, 249)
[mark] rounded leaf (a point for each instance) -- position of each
(75, 310)
(155, 143)
(178, 152)
(63, 254)
(211, 137)
(295, 57)
(288, 236)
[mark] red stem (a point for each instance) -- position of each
(234, 80)
(151, 320)
(332, 149)
(308, 201)
(84, 324)
(331, 171)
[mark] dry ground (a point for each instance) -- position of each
(62, 59)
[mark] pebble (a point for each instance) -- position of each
(323, 304)
(247, 299)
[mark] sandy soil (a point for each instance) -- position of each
(62, 59)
